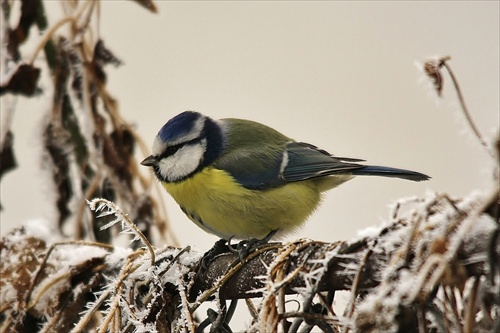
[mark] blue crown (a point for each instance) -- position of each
(178, 126)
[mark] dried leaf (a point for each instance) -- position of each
(29, 12)
(55, 142)
(432, 68)
(148, 4)
(23, 80)
(7, 158)
(103, 55)
(57, 288)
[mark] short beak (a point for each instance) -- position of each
(150, 161)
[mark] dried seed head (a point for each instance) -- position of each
(432, 68)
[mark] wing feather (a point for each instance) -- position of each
(306, 161)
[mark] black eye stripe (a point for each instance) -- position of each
(171, 150)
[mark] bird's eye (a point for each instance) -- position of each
(171, 150)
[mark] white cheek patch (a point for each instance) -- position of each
(185, 161)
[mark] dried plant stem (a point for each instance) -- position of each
(117, 323)
(308, 315)
(49, 327)
(111, 315)
(126, 270)
(451, 302)
(406, 249)
(98, 203)
(92, 188)
(48, 36)
(465, 109)
(355, 287)
(85, 19)
(251, 308)
(80, 326)
(189, 314)
(326, 305)
(422, 327)
(47, 287)
(6, 305)
(469, 314)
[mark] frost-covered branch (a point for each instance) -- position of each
(433, 267)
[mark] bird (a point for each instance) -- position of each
(240, 179)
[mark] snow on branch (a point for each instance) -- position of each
(434, 268)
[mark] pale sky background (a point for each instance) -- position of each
(340, 75)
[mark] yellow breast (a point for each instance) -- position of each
(215, 202)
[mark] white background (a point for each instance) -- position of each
(340, 75)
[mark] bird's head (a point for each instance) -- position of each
(185, 145)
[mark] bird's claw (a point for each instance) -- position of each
(245, 247)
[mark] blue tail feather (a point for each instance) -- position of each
(374, 170)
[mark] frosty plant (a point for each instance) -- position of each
(128, 227)
(428, 269)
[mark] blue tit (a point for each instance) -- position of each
(241, 179)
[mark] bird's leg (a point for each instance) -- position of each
(245, 247)
(242, 249)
